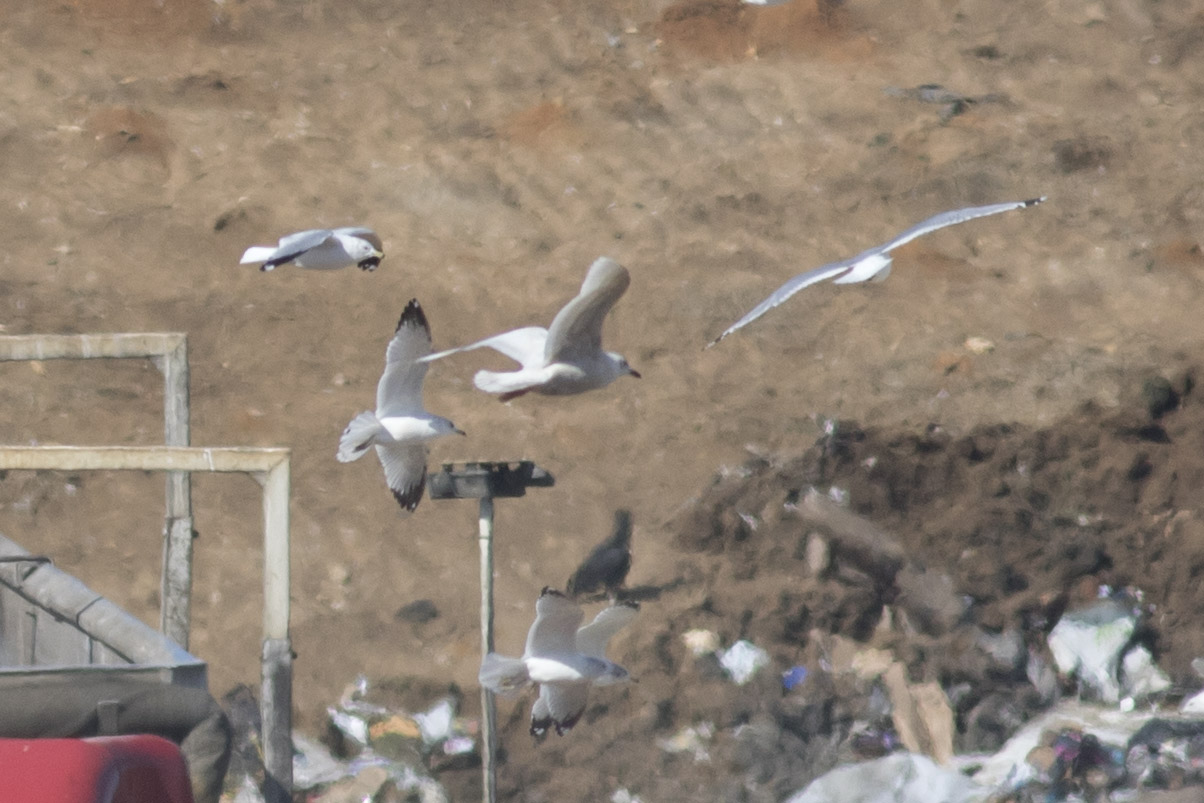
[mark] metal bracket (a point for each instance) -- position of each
(487, 480)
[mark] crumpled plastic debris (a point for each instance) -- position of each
(313, 764)
(691, 739)
(793, 677)
(742, 660)
(1077, 763)
(1089, 642)
(701, 642)
(1010, 768)
(248, 792)
(459, 745)
(1141, 678)
(436, 722)
(1193, 705)
(352, 726)
(896, 778)
(399, 742)
(1167, 753)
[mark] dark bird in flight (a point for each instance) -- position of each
(608, 564)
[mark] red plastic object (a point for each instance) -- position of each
(103, 769)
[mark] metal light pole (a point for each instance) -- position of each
(486, 482)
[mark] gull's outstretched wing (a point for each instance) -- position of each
(577, 328)
(399, 391)
(503, 675)
(525, 346)
(288, 248)
(871, 262)
(559, 706)
(554, 630)
(593, 638)
(405, 471)
(955, 216)
(364, 234)
(786, 291)
(294, 245)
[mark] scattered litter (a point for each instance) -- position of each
(1088, 643)
(1009, 769)
(839, 495)
(352, 726)
(793, 677)
(459, 745)
(742, 660)
(1167, 753)
(436, 722)
(395, 725)
(623, 796)
(896, 778)
(377, 751)
(701, 642)
(1193, 705)
(691, 739)
(1141, 678)
(979, 345)
(313, 764)
(1077, 763)
(921, 714)
(248, 792)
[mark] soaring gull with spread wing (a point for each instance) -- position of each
(320, 249)
(401, 427)
(872, 264)
(568, 358)
(563, 658)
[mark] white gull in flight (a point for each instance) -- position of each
(563, 658)
(320, 249)
(872, 264)
(400, 428)
(568, 358)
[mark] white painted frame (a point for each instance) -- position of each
(169, 352)
(269, 466)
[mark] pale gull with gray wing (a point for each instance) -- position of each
(568, 358)
(320, 249)
(401, 427)
(872, 264)
(563, 658)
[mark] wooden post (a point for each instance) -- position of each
(175, 612)
(276, 705)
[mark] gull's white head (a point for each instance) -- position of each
(620, 366)
(442, 426)
(366, 251)
(612, 674)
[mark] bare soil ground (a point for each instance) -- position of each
(713, 148)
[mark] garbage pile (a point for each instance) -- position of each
(1113, 739)
(372, 749)
(1005, 615)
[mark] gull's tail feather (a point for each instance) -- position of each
(256, 253)
(502, 675)
(508, 384)
(359, 435)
